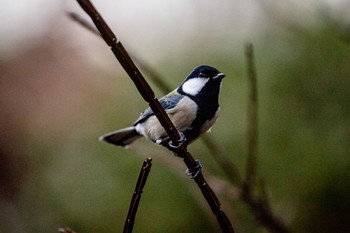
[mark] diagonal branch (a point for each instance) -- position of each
(148, 95)
(145, 169)
(130, 68)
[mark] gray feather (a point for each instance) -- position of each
(167, 102)
(122, 137)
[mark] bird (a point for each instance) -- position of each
(193, 108)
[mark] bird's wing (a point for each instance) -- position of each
(167, 102)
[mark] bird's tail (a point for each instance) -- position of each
(122, 137)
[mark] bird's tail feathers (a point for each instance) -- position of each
(122, 137)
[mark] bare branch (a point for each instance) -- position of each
(145, 169)
(259, 206)
(252, 119)
(148, 95)
(82, 22)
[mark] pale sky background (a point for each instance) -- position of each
(22, 22)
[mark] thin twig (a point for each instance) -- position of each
(250, 176)
(145, 169)
(259, 206)
(148, 95)
(82, 22)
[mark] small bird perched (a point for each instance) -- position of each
(193, 108)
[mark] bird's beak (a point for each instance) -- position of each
(219, 76)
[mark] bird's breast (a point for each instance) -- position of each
(182, 116)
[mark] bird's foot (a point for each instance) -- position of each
(179, 142)
(195, 170)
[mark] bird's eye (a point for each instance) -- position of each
(201, 75)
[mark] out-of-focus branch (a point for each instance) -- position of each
(250, 176)
(259, 205)
(141, 181)
(87, 25)
(148, 95)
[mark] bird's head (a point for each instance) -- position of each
(202, 79)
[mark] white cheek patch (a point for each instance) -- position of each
(194, 85)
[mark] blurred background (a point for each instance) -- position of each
(61, 88)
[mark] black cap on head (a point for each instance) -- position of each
(203, 71)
